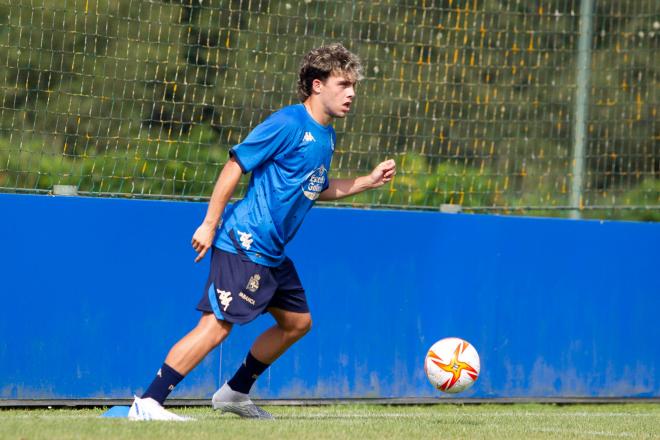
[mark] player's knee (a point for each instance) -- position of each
(217, 336)
(300, 327)
(215, 331)
(306, 326)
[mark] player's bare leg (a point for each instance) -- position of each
(192, 348)
(182, 358)
(270, 345)
(290, 327)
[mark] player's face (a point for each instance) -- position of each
(337, 93)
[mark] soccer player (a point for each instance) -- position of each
(289, 156)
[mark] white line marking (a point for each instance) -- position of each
(583, 433)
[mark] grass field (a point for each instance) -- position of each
(635, 421)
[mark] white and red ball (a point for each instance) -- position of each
(452, 365)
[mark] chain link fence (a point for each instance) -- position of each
(544, 108)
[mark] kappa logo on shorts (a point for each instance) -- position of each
(253, 284)
(225, 298)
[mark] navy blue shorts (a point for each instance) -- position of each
(239, 290)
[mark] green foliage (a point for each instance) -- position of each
(144, 169)
(420, 183)
(646, 196)
(473, 98)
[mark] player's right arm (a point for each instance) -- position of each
(202, 239)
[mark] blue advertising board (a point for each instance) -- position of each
(95, 292)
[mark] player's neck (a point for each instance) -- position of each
(317, 112)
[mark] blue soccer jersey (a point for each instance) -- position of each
(289, 156)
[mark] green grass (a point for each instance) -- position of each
(635, 421)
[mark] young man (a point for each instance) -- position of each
(289, 157)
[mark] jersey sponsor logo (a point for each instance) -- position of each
(253, 283)
(308, 137)
(246, 298)
(314, 183)
(225, 298)
(246, 239)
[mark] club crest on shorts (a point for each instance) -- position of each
(253, 283)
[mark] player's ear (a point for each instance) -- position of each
(316, 85)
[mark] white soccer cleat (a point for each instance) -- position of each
(228, 400)
(149, 409)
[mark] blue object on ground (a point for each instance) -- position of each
(117, 411)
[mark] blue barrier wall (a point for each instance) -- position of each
(95, 291)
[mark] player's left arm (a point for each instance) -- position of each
(340, 188)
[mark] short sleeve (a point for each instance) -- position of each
(265, 141)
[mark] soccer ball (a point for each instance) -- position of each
(452, 365)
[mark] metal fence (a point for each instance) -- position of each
(545, 107)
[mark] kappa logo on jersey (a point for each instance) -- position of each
(253, 284)
(314, 183)
(308, 137)
(225, 298)
(246, 239)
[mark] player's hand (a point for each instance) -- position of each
(202, 240)
(383, 173)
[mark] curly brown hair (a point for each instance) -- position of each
(319, 63)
